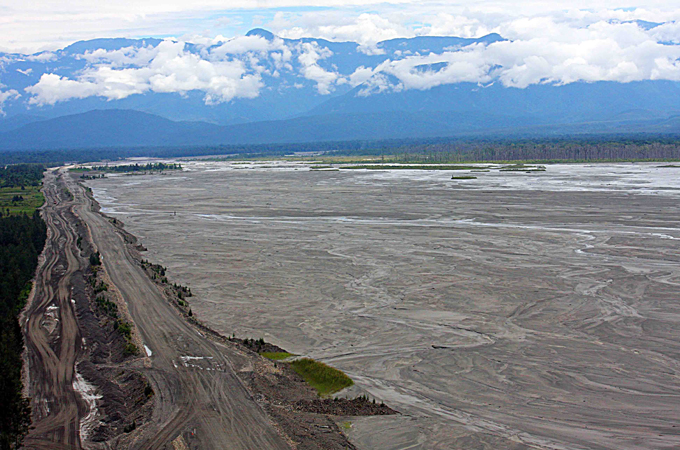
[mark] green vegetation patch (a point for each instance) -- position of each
(325, 379)
(17, 200)
(276, 356)
(107, 306)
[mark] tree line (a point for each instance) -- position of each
(22, 238)
(571, 148)
(21, 175)
(150, 167)
(540, 151)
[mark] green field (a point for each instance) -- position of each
(20, 201)
(325, 379)
(276, 356)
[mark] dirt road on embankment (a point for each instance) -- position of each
(198, 397)
(51, 331)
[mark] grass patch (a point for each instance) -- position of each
(325, 379)
(276, 356)
(20, 201)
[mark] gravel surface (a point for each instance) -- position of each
(512, 311)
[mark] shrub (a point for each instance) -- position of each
(95, 259)
(130, 349)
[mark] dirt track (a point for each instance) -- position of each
(52, 336)
(198, 395)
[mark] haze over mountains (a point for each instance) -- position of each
(260, 88)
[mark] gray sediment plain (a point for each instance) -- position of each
(512, 311)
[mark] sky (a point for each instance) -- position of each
(35, 25)
(555, 42)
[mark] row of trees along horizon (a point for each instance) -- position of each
(528, 150)
(150, 167)
(22, 238)
(579, 148)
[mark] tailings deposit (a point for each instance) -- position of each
(515, 310)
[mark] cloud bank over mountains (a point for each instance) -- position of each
(301, 70)
(529, 51)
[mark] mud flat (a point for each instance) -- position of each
(511, 311)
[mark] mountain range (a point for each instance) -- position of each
(261, 89)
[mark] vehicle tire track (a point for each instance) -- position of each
(52, 354)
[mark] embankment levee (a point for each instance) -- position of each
(80, 385)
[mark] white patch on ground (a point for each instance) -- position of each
(148, 350)
(190, 358)
(51, 319)
(89, 394)
(188, 361)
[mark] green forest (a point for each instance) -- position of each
(21, 175)
(22, 238)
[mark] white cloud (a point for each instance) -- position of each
(603, 51)
(46, 24)
(10, 94)
(42, 57)
(170, 70)
(365, 29)
(446, 24)
(52, 89)
(361, 75)
(244, 44)
(668, 32)
(469, 65)
(544, 46)
(379, 84)
(126, 56)
(310, 55)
